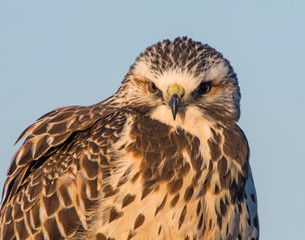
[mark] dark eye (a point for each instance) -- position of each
(204, 88)
(152, 87)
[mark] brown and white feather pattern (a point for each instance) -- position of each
(124, 169)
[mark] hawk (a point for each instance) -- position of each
(163, 158)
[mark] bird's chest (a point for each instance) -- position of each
(144, 206)
(157, 187)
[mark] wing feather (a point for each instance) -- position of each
(53, 179)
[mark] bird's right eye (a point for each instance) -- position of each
(152, 87)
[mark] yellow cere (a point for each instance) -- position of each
(175, 88)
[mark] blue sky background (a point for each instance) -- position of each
(58, 53)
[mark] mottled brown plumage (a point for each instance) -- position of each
(162, 158)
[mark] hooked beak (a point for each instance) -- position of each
(175, 92)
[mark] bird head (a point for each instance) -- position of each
(173, 81)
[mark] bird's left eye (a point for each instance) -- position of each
(204, 88)
(152, 87)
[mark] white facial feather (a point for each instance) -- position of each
(185, 78)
